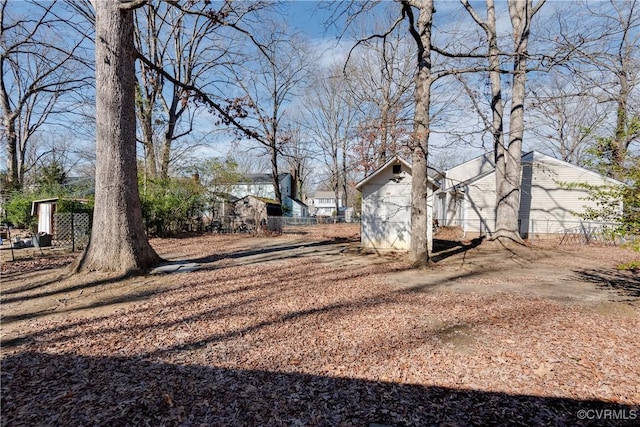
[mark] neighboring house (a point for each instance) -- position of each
(298, 208)
(549, 198)
(261, 185)
(449, 209)
(323, 203)
(386, 206)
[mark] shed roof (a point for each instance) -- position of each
(394, 160)
(35, 203)
(261, 199)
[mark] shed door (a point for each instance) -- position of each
(44, 218)
(396, 219)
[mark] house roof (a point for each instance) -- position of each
(535, 155)
(260, 178)
(532, 156)
(394, 160)
(299, 202)
(225, 196)
(486, 156)
(262, 199)
(326, 194)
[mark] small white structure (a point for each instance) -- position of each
(44, 209)
(386, 206)
(549, 198)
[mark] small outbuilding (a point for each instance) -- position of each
(257, 213)
(46, 211)
(386, 206)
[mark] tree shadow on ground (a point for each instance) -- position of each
(49, 389)
(36, 264)
(44, 290)
(443, 249)
(270, 249)
(624, 283)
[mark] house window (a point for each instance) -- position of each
(397, 169)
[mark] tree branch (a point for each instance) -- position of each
(204, 98)
(131, 4)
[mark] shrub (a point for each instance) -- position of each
(168, 205)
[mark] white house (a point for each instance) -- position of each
(386, 206)
(323, 203)
(549, 201)
(261, 185)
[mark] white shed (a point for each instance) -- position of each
(386, 206)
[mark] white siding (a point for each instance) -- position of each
(547, 204)
(386, 211)
(469, 170)
(552, 205)
(480, 204)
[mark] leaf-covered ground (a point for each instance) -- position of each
(290, 331)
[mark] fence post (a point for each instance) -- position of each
(584, 232)
(73, 230)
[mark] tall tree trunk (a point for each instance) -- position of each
(421, 231)
(621, 141)
(13, 175)
(508, 162)
(9, 118)
(507, 158)
(384, 137)
(508, 168)
(343, 181)
(145, 117)
(118, 241)
(275, 175)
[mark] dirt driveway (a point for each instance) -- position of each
(305, 329)
(584, 275)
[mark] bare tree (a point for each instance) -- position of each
(381, 83)
(41, 65)
(331, 115)
(298, 154)
(567, 116)
(118, 242)
(420, 30)
(277, 68)
(185, 45)
(607, 58)
(507, 148)
(508, 158)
